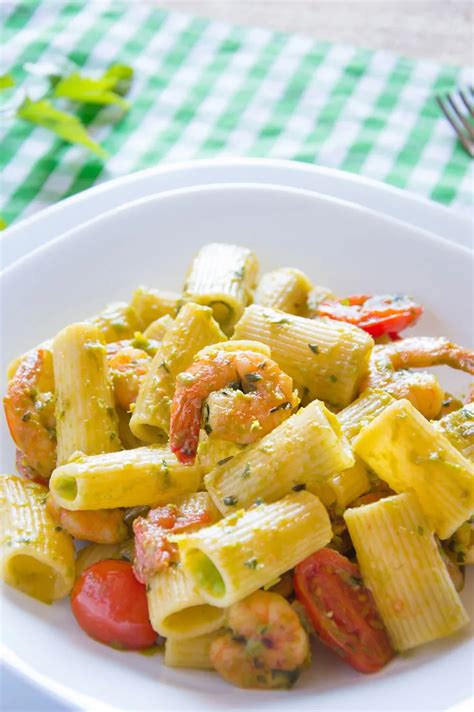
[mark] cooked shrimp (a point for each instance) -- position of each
(128, 367)
(153, 550)
(102, 526)
(422, 389)
(29, 411)
(266, 646)
(257, 397)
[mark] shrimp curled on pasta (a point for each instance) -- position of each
(254, 397)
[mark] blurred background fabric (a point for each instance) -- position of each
(207, 88)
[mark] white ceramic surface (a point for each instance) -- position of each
(151, 242)
(48, 224)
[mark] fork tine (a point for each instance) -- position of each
(469, 107)
(457, 129)
(460, 116)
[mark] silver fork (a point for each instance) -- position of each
(449, 105)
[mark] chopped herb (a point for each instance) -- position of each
(226, 459)
(251, 563)
(299, 488)
(281, 322)
(354, 581)
(282, 406)
(166, 473)
(164, 366)
(148, 588)
(230, 501)
(207, 425)
(26, 416)
(314, 348)
(460, 556)
(252, 377)
(58, 529)
(420, 530)
(246, 473)
(259, 501)
(240, 273)
(333, 378)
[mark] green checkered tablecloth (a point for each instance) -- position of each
(205, 88)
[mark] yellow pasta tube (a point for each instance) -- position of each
(355, 481)
(222, 277)
(249, 549)
(36, 556)
(302, 452)
(401, 565)
(193, 328)
(317, 295)
(116, 322)
(146, 475)
(177, 609)
(151, 304)
(362, 411)
(158, 328)
(406, 451)
(458, 427)
(327, 359)
(285, 289)
(85, 415)
(191, 652)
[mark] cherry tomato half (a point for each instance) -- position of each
(378, 315)
(342, 610)
(111, 606)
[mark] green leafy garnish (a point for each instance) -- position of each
(314, 348)
(251, 563)
(230, 501)
(67, 126)
(89, 90)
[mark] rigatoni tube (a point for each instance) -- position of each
(177, 609)
(304, 451)
(145, 475)
(401, 565)
(193, 329)
(222, 277)
(356, 480)
(285, 289)
(327, 358)
(248, 549)
(406, 451)
(36, 556)
(151, 304)
(191, 652)
(85, 415)
(458, 427)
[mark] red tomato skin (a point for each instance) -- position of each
(378, 316)
(111, 606)
(353, 628)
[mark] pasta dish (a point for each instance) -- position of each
(227, 472)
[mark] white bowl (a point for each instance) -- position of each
(151, 242)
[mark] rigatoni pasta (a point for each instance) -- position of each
(145, 475)
(286, 289)
(403, 568)
(193, 328)
(303, 451)
(408, 453)
(36, 556)
(152, 304)
(458, 428)
(222, 277)
(86, 420)
(249, 549)
(190, 652)
(324, 357)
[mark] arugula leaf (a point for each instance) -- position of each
(88, 90)
(65, 125)
(123, 75)
(6, 81)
